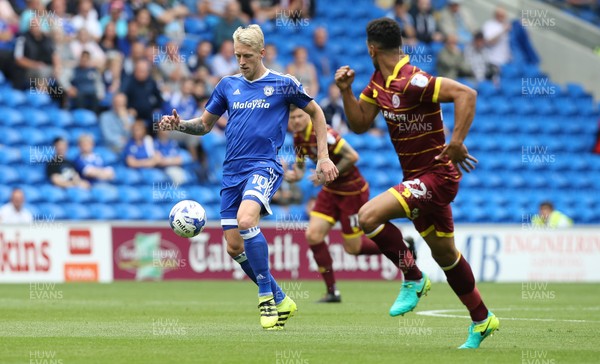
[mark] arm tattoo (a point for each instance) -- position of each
(193, 126)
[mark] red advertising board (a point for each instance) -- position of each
(154, 253)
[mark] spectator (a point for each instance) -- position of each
(170, 157)
(225, 63)
(400, 14)
(138, 52)
(496, 33)
(172, 66)
(142, 92)
(133, 36)
(8, 15)
(87, 88)
(187, 107)
(270, 60)
(264, 10)
(112, 73)
(477, 57)
(139, 151)
(424, 23)
(87, 18)
(304, 71)
(90, 165)
(35, 56)
(147, 29)
(109, 42)
(202, 57)
(320, 55)
(14, 212)
(170, 15)
(455, 19)
(84, 42)
(548, 217)
(7, 45)
(34, 12)
(227, 24)
(451, 62)
(333, 108)
(60, 171)
(115, 124)
(59, 18)
(117, 17)
(217, 7)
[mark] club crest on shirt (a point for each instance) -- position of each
(268, 90)
(419, 80)
(396, 101)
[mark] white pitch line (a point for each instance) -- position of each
(444, 313)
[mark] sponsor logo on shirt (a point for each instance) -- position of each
(254, 104)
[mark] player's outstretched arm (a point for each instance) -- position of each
(360, 114)
(196, 126)
(464, 99)
(326, 170)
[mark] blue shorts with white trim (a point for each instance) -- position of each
(260, 186)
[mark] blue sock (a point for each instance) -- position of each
(257, 254)
(245, 264)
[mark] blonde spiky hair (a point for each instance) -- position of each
(252, 36)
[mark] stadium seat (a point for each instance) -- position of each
(12, 97)
(35, 117)
(84, 118)
(9, 155)
(8, 175)
(38, 99)
(33, 175)
(53, 194)
(127, 176)
(105, 193)
(60, 118)
(50, 212)
(32, 194)
(130, 194)
(128, 212)
(108, 156)
(154, 176)
(35, 137)
(11, 117)
(77, 211)
(79, 195)
(102, 211)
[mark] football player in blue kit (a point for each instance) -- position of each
(258, 102)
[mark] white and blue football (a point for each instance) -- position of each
(187, 218)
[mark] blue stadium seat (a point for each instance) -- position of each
(53, 194)
(203, 195)
(49, 212)
(77, 211)
(35, 136)
(12, 97)
(11, 117)
(154, 176)
(32, 194)
(102, 211)
(33, 175)
(60, 118)
(108, 156)
(11, 136)
(358, 142)
(79, 195)
(9, 155)
(105, 193)
(38, 99)
(127, 176)
(84, 118)
(152, 212)
(35, 117)
(9, 175)
(130, 194)
(128, 212)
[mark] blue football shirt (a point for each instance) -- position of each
(258, 118)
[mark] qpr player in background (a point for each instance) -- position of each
(410, 102)
(258, 102)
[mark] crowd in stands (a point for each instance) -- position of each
(131, 61)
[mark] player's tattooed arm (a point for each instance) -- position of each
(349, 158)
(196, 126)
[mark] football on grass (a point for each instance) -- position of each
(187, 218)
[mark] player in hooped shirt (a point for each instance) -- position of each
(258, 102)
(338, 201)
(409, 100)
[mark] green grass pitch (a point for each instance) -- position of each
(217, 322)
